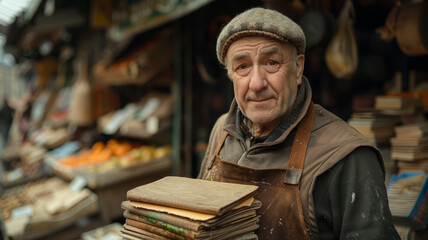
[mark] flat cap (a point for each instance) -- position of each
(260, 22)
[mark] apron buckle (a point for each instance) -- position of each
(292, 176)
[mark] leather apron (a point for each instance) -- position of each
(281, 215)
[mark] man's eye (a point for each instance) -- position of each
(242, 67)
(272, 63)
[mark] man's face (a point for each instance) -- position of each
(265, 75)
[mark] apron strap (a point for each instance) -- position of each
(298, 150)
(217, 150)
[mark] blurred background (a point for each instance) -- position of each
(100, 96)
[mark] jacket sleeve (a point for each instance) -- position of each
(212, 144)
(351, 201)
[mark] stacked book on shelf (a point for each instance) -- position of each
(409, 147)
(408, 199)
(398, 105)
(375, 126)
(186, 208)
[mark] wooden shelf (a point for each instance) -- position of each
(121, 174)
(127, 30)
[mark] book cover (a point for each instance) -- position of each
(137, 213)
(419, 214)
(408, 198)
(167, 231)
(140, 235)
(177, 228)
(197, 195)
(193, 225)
(156, 226)
(227, 232)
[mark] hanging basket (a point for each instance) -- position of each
(412, 29)
(342, 52)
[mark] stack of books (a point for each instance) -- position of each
(375, 126)
(408, 199)
(187, 208)
(410, 147)
(398, 105)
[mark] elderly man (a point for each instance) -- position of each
(318, 178)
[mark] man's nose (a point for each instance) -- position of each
(257, 79)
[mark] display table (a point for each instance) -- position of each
(48, 206)
(111, 187)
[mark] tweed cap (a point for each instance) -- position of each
(260, 22)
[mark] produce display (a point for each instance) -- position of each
(12, 200)
(45, 206)
(28, 164)
(103, 157)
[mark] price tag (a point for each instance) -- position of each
(145, 112)
(78, 183)
(119, 118)
(152, 125)
(24, 211)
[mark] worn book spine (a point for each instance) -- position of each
(128, 234)
(164, 217)
(160, 228)
(191, 194)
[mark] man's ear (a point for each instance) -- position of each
(300, 66)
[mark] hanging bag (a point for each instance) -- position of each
(80, 112)
(342, 52)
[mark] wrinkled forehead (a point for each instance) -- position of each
(258, 45)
